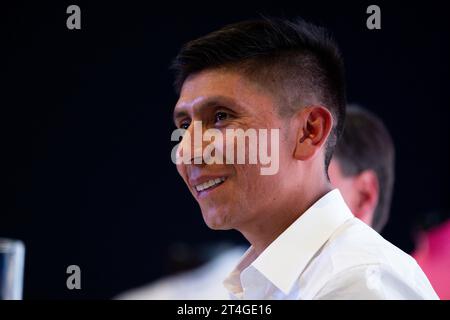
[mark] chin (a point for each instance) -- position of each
(217, 220)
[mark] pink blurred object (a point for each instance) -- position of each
(432, 253)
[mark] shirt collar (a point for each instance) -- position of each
(286, 257)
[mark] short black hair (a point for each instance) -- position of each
(297, 57)
(366, 144)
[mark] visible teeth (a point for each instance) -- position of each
(208, 184)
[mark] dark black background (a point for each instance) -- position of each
(86, 124)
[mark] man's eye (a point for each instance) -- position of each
(184, 125)
(220, 116)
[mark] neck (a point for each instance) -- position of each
(262, 233)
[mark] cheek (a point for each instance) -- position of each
(254, 187)
(246, 185)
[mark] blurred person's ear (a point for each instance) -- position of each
(367, 188)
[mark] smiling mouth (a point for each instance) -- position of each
(210, 184)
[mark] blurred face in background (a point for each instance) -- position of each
(359, 191)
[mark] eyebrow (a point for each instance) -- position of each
(208, 102)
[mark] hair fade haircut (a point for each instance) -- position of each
(367, 145)
(297, 61)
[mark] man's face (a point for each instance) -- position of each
(227, 100)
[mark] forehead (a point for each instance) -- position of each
(223, 85)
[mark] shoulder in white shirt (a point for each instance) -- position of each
(327, 253)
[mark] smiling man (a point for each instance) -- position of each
(305, 242)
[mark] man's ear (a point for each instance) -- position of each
(314, 127)
(366, 184)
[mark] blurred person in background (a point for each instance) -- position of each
(363, 167)
(432, 251)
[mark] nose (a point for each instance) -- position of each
(192, 145)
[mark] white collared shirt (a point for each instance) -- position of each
(327, 253)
